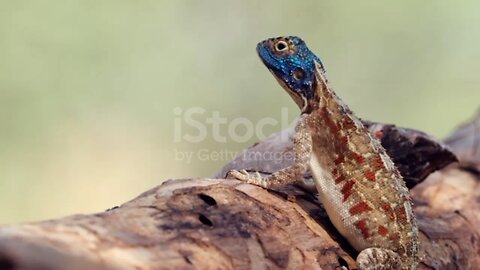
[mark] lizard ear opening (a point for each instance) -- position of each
(298, 74)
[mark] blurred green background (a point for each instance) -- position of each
(88, 89)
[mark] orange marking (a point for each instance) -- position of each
(388, 211)
(379, 134)
(347, 189)
(339, 179)
(383, 231)
(401, 214)
(369, 175)
(359, 158)
(362, 226)
(359, 208)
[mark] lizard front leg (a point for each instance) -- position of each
(302, 147)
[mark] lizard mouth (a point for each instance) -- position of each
(265, 56)
(299, 99)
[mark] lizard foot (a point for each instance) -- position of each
(378, 259)
(245, 176)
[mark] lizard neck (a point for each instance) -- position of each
(322, 94)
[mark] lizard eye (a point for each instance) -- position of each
(281, 46)
(298, 74)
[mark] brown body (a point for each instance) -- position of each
(361, 189)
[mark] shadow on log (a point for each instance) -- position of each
(225, 224)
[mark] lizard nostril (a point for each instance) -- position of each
(207, 199)
(205, 220)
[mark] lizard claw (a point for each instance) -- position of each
(235, 174)
(243, 175)
(378, 259)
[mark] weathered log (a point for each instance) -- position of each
(226, 224)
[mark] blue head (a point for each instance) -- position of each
(293, 65)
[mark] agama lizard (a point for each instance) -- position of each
(362, 191)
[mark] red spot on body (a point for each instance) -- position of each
(369, 175)
(334, 172)
(378, 163)
(359, 158)
(394, 236)
(362, 226)
(344, 140)
(383, 231)
(379, 134)
(339, 179)
(348, 124)
(347, 189)
(332, 126)
(388, 211)
(339, 160)
(359, 208)
(401, 214)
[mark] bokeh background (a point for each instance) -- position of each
(89, 89)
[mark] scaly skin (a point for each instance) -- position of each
(361, 189)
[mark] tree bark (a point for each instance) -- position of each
(226, 224)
